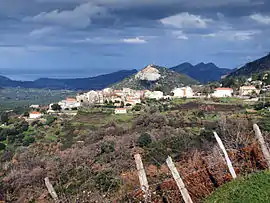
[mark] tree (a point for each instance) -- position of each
(50, 120)
(137, 107)
(56, 107)
(4, 118)
(26, 114)
(144, 140)
(2, 146)
(122, 104)
(27, 140)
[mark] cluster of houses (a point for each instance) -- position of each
(243, 91)
(127, 98)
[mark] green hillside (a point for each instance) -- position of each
(254, 67)
(253, 188)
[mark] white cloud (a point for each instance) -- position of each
(235, 35)
(79, 17)
(186, 20)
(37, 33)
(263, 19)
(99, 40)
(180, 35)
(135, 40)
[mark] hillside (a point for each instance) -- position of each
(258, 66)
(155, 77)
(203, 72)
(90, 157)
(98, 82)
(253, 188)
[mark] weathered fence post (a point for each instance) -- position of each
(51, 189)
(142, 176)
(261, 141)
(179, 181)
(228, 161)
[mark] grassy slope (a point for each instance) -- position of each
(253, 188)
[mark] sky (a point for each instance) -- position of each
(82, 38)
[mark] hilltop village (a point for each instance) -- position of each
(126, 98)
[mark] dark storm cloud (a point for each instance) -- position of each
(81, 32)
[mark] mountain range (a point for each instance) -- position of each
(260, 65)
(188, 74)
(98, 82)
(203, 72)
(155, 77)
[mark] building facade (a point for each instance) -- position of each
(222, 92)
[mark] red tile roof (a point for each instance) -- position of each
(120, 109)
(71, 99)
(223, 88)
(35, 112)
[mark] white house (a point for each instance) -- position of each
(248, 90)
(223, 92)
(183, 92)
(34, 106)
(120, 111)
(69, 103)
(154, 95)
(35, 115)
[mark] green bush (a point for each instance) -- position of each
(50, 120)
(27, 140)
(56, 107)
(107, 147)
(26, 114)
(144, 140)
(4, 118)
(106, 181)
(137, 107)
(2, 146)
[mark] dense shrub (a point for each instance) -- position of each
(107, 147)
(27, 140)
(50, 120)
(2, 146)
(56, 107)
(26, 114)
(137, 107)
(106, 181)
(4, 118)
(144, 140)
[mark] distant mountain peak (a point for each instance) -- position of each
(97, 82)
(257, 66)
(154, 76)
(203, 72)
(150, 73)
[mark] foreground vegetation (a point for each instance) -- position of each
(252, 188)
(89, 158)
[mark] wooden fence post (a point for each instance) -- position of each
(51, 189)
(227, 158)
(179, 181)
(261, 141)
(142, 176)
